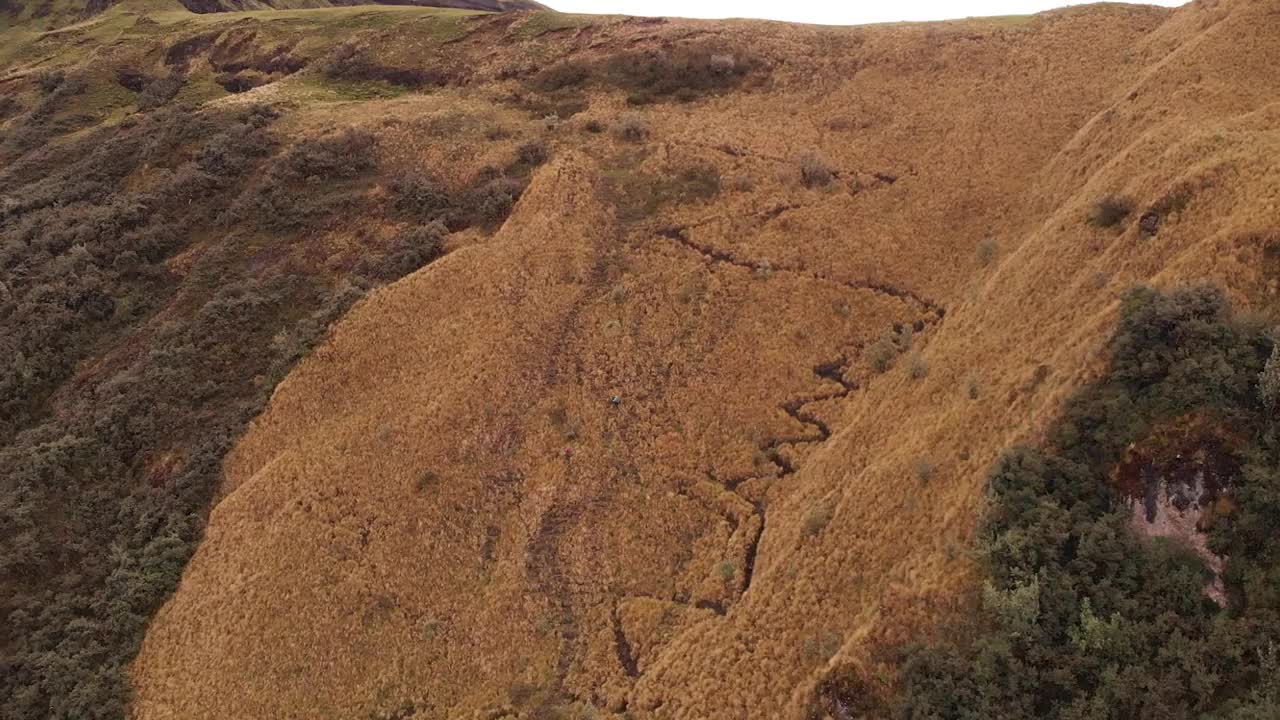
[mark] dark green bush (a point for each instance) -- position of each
(49, 80)
(815, 170)
(422, 198)
(115, 419)
(410, 250)
(1110, 210)
(53, 114)
(569, 73)
(344, 154)
(65, 227)
(9, 106)
(357, 62)
(683, 73)
(987, 251)
(1080, 618)
(492, 202)
(639, 195)
(632, 128)
(530, 155)
(317, 179)
(160, 91)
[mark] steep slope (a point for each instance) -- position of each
(213, 6)
(699, 430)
(543, 476)
(46, 15)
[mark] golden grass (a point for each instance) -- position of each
(443, 507)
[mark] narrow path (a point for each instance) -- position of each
(547, 574)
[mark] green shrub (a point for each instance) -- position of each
(529, 156)
(882, 353)
(1110, 210)
(1081, 618)
(684, 73)
(49, 80)
(9, 106)
(641, 194)
(96, 525)
(492, 202)
(422, 198)
(357, 62)
(409, 250)
(566, 74)
(315, 180)
(159, 92)
(345, 154)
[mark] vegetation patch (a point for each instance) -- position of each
(562, 105)
(423, 199)
(540, 23)
(1081, 616)
(115, 416)
(1110, 211)
(684, 73)
(815, 170)
(638, 195)
(356, 62)
(987, 252)
(311, 182)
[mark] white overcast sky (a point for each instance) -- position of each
(830, 12)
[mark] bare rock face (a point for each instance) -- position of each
(1179, 483)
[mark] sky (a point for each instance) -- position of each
(828, 12)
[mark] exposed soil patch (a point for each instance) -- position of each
(1178, 484)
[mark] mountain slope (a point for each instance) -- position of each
(699, 341)
(485, 531)
(211, 6)
(52, 14)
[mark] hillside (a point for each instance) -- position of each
(528, 365)
(47, 15)
(211, 6)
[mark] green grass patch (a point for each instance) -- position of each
(543, 22)
(198, 90)
(323, 89)
(449, 28)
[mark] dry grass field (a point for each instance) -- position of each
(704, 422)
